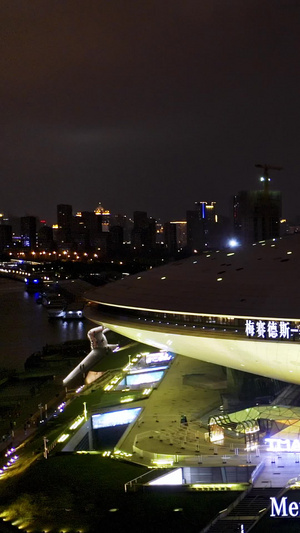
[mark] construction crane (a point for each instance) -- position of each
(265, 178)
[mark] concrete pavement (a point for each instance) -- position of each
(159, 434)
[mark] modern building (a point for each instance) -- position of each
(64, 224)
(116, 239)
(124, 222)
(87, 230)
(201, 226)
(104, 218)
(256, 215)
(45, 238)
(28, 232)
(64, 216)
(181, 230)
(144, 231)
(5, 236)
(236, 309)
(170, 237)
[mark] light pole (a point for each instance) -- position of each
(46, 451)
(40, 406)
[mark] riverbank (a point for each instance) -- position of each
(25, 327)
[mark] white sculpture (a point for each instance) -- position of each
(99, 343)
(98, 340)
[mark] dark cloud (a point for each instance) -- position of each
(146, 105)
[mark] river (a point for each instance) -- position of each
(25, 328)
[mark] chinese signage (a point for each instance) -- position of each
(283, 445)
(268, 329)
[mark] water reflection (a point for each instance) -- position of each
(25, 327)
(71, 329)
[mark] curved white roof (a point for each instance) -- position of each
(259, 280)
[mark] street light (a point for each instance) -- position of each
(46, 451)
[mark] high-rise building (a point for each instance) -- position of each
(64, 216)
(159, 233)
(144, 231)
(65, 223)
(126, 223)
(181, 230)
(86, 229)
(45, 238)
(104, 218)
(170, 237)
(201, 226)
(5, 236)
(28, 232)
(116, 239)
(256, 215)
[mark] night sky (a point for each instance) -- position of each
(147, 104)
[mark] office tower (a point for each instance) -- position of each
(140, 225)
(64, 216)
(65, 223)
(45, 238)
(5, 236)
(144, 231)
(126, 223)
(170, 237)
(256, 215)
(181, 232)
(103, 218)
(28, 232)
(159, 233)
(201, 226)
(116, 239)
(86, 229)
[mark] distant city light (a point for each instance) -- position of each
(233, 243)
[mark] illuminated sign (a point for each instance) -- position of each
(283, 445)
(115, 418)
(268, 329)
(158, 357)
(145, 377)
(284, 508)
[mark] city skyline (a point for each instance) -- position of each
(6, 216)
(147, 104)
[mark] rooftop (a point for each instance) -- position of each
(257, 280)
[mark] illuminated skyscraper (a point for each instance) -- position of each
(201, 226)
(104, 217)
(28, 232)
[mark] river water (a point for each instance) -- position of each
(25, 328)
